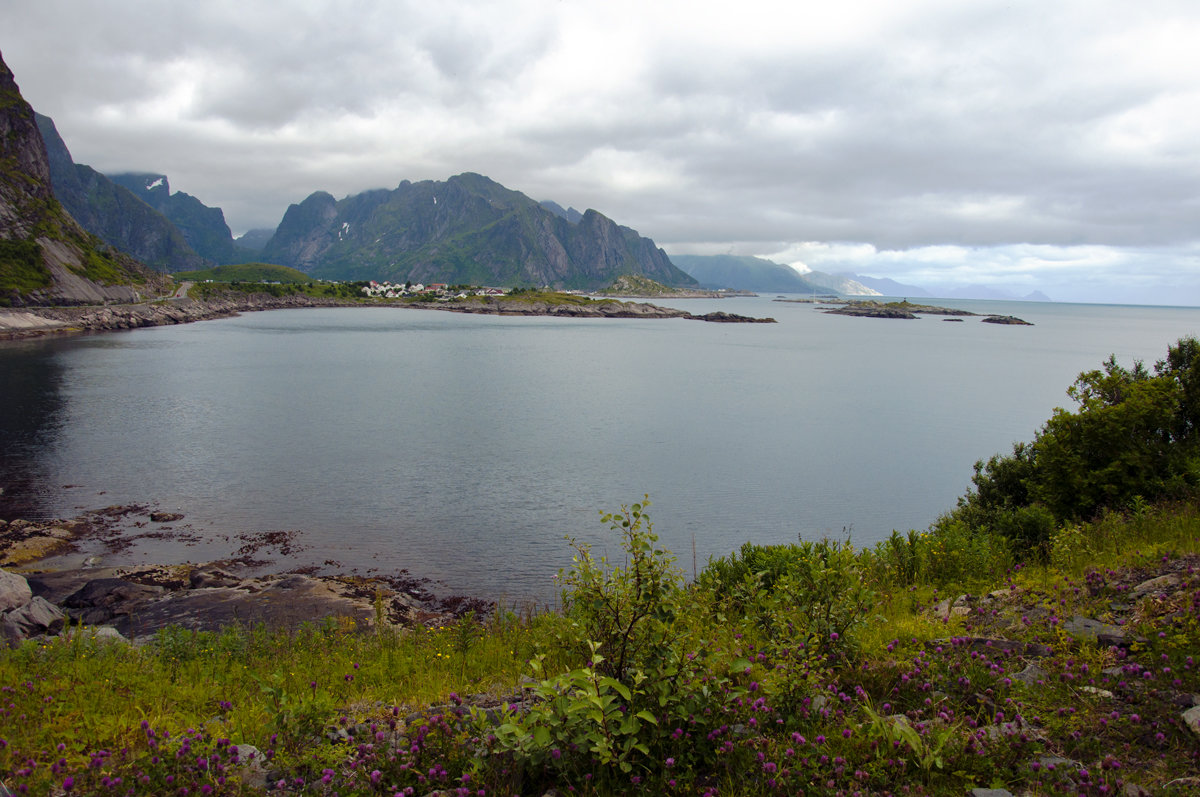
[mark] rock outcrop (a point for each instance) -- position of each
(22, 614)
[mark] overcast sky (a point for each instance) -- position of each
(1050, 145)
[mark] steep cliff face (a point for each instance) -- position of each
(466, 229)
(25, 189)
(203, 227)
(113, 212)
(45, 256)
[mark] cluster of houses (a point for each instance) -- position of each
(388, 290)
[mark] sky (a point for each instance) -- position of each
(1046, 145)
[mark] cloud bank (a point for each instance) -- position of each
(1023, 144)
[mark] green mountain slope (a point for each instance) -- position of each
(468, 229)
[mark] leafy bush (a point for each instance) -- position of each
(1133, 435)
(626, 611)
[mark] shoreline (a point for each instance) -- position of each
(138, 600)
(23, 323)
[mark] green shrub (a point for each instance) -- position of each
(626, 611)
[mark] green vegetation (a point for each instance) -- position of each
(345, 291)
(21, 269)
(247, 272)
(102, 265)
(813, 668)
(1134, 438)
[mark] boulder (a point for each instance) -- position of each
(99, 633)
(1155, 586)
(250, 765)
(945, 610)
(1093, 630)
(1191, 717)
(14, 591)
(35, 618)
(1031, 675)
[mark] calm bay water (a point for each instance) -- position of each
(464, 448)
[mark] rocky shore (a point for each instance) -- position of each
(39, 596)
(36, 321)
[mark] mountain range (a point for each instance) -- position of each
(746, 273)
(203, 227)
(467, 229)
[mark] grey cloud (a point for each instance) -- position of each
(984, 125)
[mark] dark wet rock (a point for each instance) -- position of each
(57, 586)
(285, 603)
(732, 318)
(1010, 320)
(103, 600)
(872, 310)
(212, 576)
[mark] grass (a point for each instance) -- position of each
(744, 693)
(21, 268)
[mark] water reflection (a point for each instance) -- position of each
(32, 409)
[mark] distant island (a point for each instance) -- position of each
(635, 286)
(907, 309)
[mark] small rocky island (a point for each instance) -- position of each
(907, 309)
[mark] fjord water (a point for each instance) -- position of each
(464, 448)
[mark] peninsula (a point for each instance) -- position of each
(219, 300)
